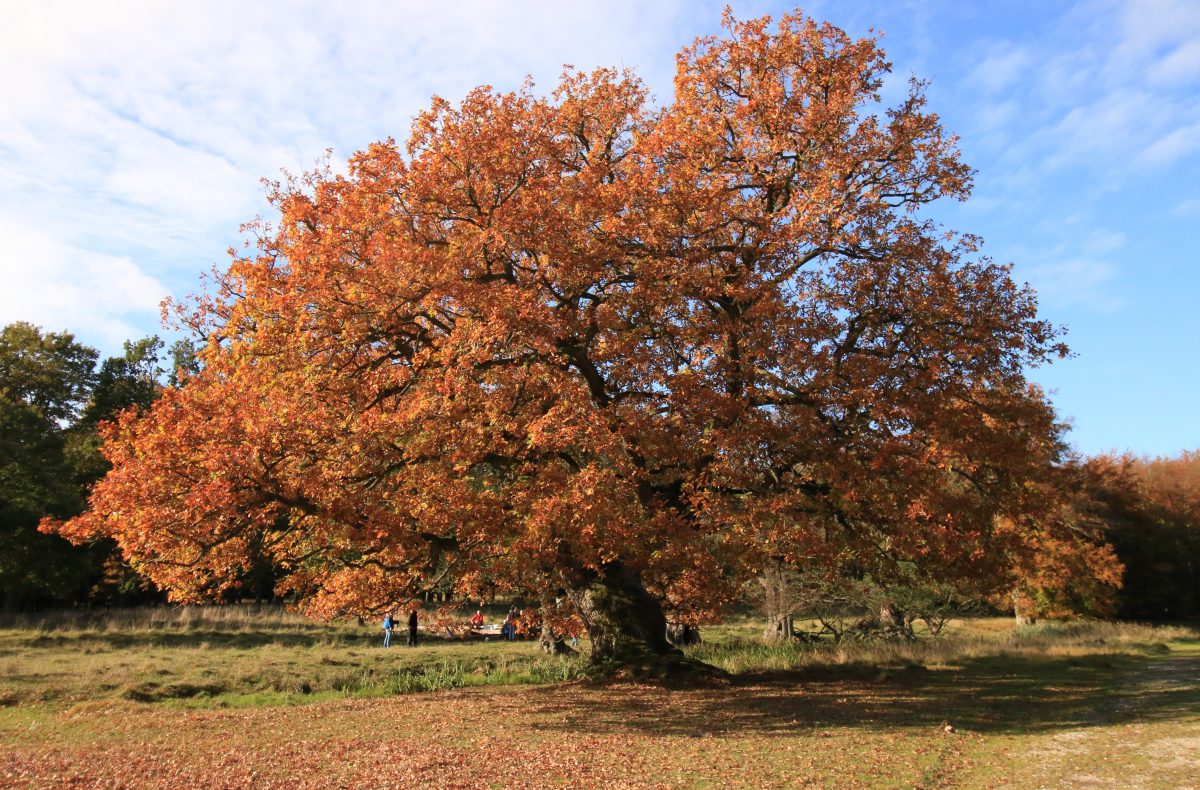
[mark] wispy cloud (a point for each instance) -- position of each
(1171, 147)
(133, 135)
(1001, 69)
(59, 287)
(1110, 85)
(1187, 208)
(1084, 127)
(1080, 273)
(1076, 282)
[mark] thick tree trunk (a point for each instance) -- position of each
(628, 629)
(780, 627)
(890, 615)
(625, 623)
(552, 643)
(895, 621)
(683, 634)
(777, 602)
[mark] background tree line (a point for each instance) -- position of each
(1143, 515)
(55, 392)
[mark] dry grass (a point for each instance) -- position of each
(241, 656)
(241, 617)
(193, 698)
(738, 648)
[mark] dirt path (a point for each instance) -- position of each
(1145, 735)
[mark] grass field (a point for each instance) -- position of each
(227, 697)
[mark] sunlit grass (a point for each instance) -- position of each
(251, 655)
(242, 655)
(738, 648)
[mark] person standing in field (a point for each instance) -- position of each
(511, 621)
(506, 630)
(412, 628)
(388, 625)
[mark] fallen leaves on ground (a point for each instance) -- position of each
(630, 736)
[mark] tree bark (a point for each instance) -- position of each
(777, 602)
(683, 634)
(625, 623)
(780, 628)
(890, 615)
(551, 643)
(628, 629)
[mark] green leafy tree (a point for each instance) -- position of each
(132, 379)
(185, 361)
(45, 379)
(52, 398)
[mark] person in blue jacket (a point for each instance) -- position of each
(388, 625)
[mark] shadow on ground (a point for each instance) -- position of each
(994, 695)
(240, 639)
(191, 637)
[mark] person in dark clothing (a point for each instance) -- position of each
(412, 628)
(510, 623)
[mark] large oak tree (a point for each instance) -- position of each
(589, 345)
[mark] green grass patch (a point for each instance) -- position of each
(217, 656)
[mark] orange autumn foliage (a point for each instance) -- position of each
(1149, 510)
(553, 336)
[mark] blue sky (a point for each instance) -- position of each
(133, 137)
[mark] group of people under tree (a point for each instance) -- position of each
(516, 622)
(389, 624)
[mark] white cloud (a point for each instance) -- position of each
(137, 131)
(1187, 208)
(1106, 86)
(1175, 145)
(104, 299)
(1000, 70)
(995, 117)
(1180, 66)
(1080, 271)
(1146, 27)
(1076, 282)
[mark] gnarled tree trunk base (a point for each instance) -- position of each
(628, 632)
(675, 671)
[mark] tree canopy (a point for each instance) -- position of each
(51, 398)
(584, 344)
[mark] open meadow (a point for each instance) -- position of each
(232, 697)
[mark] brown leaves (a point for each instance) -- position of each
(629, 737)
(556, 332)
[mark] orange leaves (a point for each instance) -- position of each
(550, 333)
